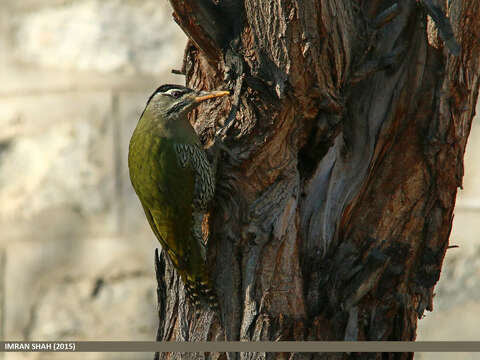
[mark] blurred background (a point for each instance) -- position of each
(76, 253)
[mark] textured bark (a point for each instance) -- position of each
(349, 132)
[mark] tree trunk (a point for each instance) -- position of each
(349, 125)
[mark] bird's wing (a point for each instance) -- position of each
(166, 230)
(153, 225)
(165, 189)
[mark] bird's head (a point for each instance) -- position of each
(175, 101)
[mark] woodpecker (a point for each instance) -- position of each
(175, 182)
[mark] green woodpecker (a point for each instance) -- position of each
(174, 181)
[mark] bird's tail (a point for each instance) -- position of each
(200, 290)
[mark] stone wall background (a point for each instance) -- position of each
(74, 78)
(77, 253)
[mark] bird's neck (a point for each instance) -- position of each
(178, 128)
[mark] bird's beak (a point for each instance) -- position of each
(205, 95)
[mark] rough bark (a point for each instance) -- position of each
(349, 131)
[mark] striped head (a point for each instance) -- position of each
(175, 101)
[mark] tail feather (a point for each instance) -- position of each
(200, 291)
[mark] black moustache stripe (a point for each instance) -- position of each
(176, 108)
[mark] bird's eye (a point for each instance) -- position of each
(174, 93)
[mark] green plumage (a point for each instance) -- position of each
(173, 179)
